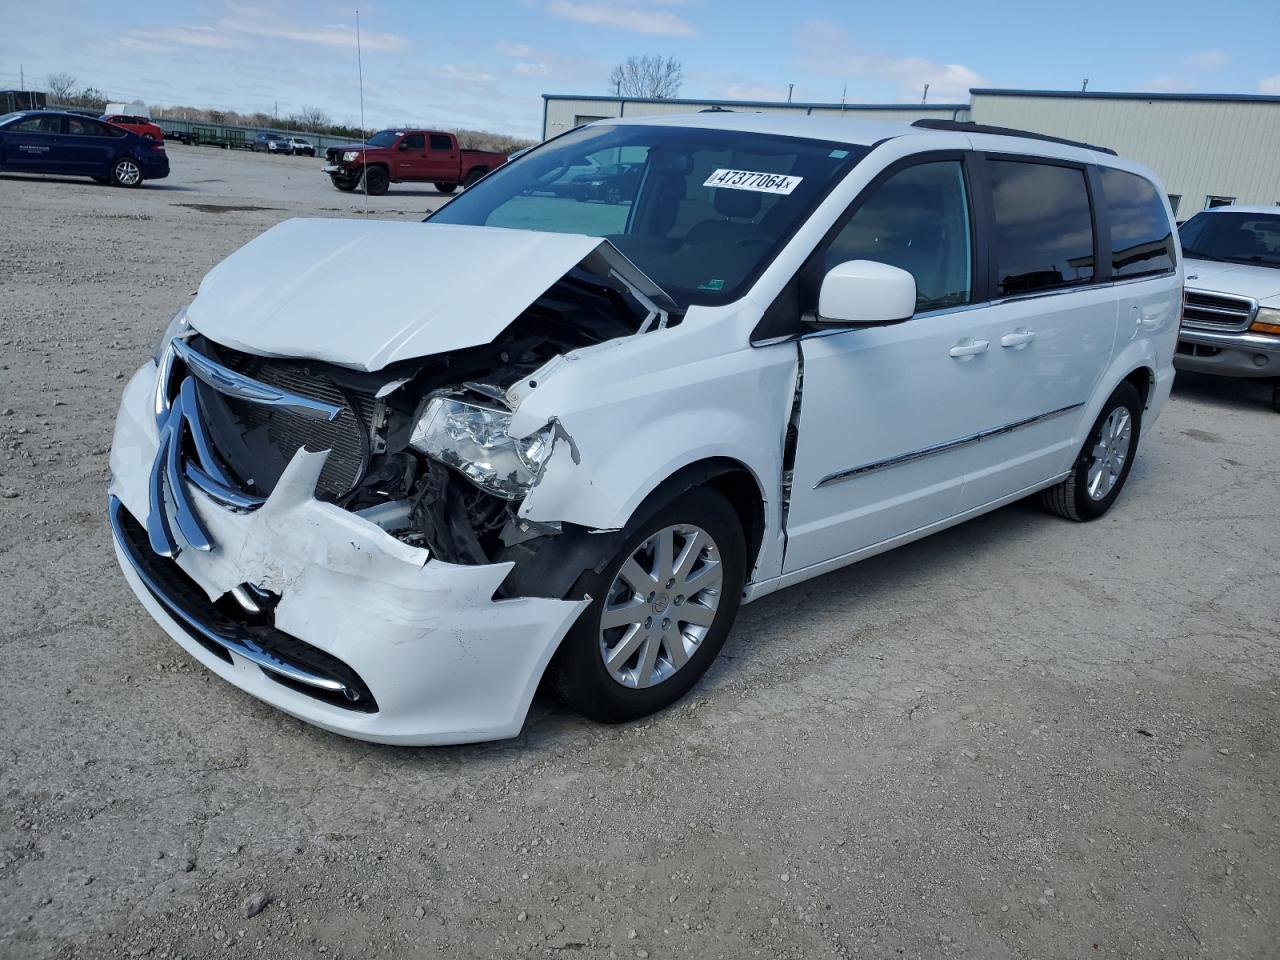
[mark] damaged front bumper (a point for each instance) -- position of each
(369, 638)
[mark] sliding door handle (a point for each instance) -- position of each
(969, 348)
(1019, 338)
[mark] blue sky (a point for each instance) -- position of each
(484, 64)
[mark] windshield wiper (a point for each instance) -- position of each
(1201, 255)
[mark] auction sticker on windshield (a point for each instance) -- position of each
(752, 180)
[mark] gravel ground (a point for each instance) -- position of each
(1020, 738)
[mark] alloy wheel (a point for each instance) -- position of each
(128, 172)
(1109, 453)
(660, 606)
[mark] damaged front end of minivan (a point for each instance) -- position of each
(341, 534)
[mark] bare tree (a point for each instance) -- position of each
(61, 86)
(647, 76)
(312, 117)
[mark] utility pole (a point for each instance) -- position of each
(1085, 85)
(925, 97)
(790, 87)
(22, 77)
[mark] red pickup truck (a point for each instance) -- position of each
(414, 156)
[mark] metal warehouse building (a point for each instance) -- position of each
(1208, 149)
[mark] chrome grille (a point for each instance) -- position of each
(347, 436)
(1217, 311)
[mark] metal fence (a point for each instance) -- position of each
(231, 135)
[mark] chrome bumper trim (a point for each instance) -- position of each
(920, 454)
(242, 646)
(1243, 340)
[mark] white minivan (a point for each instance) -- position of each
(391, 477)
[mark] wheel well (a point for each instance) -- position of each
(1141, 380)
(729, 478)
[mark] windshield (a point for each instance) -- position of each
(5, 118)
(383, 138)
(1234, 237)
(701, 212)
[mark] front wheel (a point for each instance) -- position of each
(445, 187)
(125, 172)
(1103, 465)
(346, 186)
(664, 608)
(376, 181)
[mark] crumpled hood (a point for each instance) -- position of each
(366, 293)
(1242, 279)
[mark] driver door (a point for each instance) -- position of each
(887, 412)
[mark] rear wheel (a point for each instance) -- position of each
(446, 187)
(376, 181)
(663, 607)
(126, 172)
(473, 176)
(1103, 465)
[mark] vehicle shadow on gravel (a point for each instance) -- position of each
(1223, 392)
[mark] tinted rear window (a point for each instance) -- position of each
(1043, 226)
(1141, 236)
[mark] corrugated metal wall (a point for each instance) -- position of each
(1199, 148)
(565, 114)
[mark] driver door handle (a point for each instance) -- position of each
(968, 348)
(1018, 339)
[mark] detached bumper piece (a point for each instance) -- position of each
(281, 657)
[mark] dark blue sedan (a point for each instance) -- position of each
(45, 141)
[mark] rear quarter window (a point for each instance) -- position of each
(1141, 235)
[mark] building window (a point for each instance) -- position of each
(1211, 201)
(1174, 200)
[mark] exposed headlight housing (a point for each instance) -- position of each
(474, 441)
(350, 155)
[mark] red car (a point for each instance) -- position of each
(140, 125)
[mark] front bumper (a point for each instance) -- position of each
(1228, 354)
(441, 659)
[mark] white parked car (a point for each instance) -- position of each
(1231, 321)
(387, 476)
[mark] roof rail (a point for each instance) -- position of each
(968, 126)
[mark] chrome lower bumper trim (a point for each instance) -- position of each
(1241, 340)
(243, 646)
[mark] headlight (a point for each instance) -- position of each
(177, 325)
(350, 155)
(474, 441)
(1266, 321)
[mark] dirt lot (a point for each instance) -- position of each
(1021, 738)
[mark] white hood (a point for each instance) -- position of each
(1242, 279)
(366, 293)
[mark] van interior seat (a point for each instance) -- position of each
(738, 208)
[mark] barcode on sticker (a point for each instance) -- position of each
(753, 180)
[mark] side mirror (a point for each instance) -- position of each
(860, 292)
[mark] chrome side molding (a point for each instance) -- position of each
(920, 454)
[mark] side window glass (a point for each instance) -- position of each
(917, 220)
(414, 141)
(1141, 237)
(441, 142)
(1043, 227)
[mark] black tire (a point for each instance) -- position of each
(1070, 498)
(1275, 395)
(446, 187)
(473, 176)
(346, 186)
(126, 172)
(376, 181)
(578, 673)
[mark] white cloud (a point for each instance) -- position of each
(459, 74)
(1208, 61)
(236, 29)
(658, 22)
(537, 69)
(1270, 85)
(754, 92)
(826, 48)
(1167, 84)
(159, 38)
(510, 48)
